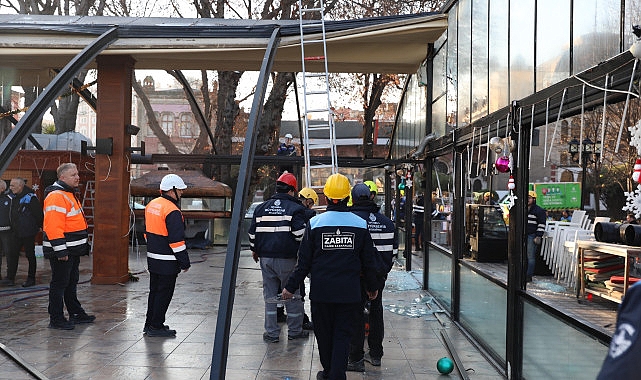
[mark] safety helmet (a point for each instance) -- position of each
(360, 191)
(531, 194)
(308, 193)
(170, 181)
(337, 187)
(289, 136)
(373, 188)
(288, 179)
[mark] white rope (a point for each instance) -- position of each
(582, 122)
(605, 109)
(556, 125)
(625, 108)
(547, 121)
(487, 151)
(529, 164)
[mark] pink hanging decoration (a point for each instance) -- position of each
(503, 164)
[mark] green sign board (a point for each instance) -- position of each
(558, 195)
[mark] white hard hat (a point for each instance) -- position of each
(289, 136)
(170, 181)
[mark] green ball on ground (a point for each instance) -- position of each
(445, 365)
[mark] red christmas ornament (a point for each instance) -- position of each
(636, 175)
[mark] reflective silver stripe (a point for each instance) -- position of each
(181, 247)
(382, 235)
(274, 229)
(383, 248)
(251, 236)
(59, 248)
(56, 208)
(73, 211)
(46, 244)
(299, 232)
(273, 218)
(161, 257)
(5, 228)
(76, 242)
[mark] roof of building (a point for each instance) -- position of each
(34, 46)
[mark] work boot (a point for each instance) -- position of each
(307, 324)
(82, 318)
(61, 325)
(29, 282)
(303, 334)
(358, 366)
(160, 332)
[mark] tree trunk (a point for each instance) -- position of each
(371, 102)
(227, 111)
(270, 120)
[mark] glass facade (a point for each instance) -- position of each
(412, 118)
(495, 52)
(546, 338)
(484, 310)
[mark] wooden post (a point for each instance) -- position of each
(111, 205)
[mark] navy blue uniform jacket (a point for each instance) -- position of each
(623, 361)
(335, 249)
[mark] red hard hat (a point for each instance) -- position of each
(288, 179)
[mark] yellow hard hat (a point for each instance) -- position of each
(372, 186)
(532, 194)
(337, 187)
(308, 193)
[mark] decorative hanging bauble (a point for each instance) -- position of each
(636, 175)
(510, 183)
(496, 144)
(401, 186)
(503, 164)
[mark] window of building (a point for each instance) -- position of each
(186, 125)
(167, 123)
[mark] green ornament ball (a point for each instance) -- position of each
(445, 365)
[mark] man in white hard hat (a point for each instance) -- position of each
(286, 148)
(166, 252)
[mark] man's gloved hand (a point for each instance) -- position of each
(537, 240)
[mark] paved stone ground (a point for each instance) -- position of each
(115, 348)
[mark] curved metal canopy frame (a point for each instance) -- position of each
(10, 146)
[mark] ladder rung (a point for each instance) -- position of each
(318, 127)
(319, 146)
(314, 41)
(324, 166)
(317, 93)
(315, 75)
(315, 58)
(312, 24)
(305, 10)
(317, 110)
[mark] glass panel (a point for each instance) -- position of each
(439, 85)
(464, 61)
(439, 280)
(521, 48)
(439, 125)
(632, 11)
(484, 310)
(452, 67)
(203, 204)
(596, 32)
(479, 59)
(411, 121)
(552, 49)
(498, 52)
(554, 350)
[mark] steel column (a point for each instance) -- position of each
(228, 291)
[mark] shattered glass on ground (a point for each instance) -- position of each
(419, 307)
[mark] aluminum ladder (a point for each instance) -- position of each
(87, 208)
(319, 135)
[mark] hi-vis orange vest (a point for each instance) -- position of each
(165, 234)
(64, 226)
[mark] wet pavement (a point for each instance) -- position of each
(114, 347)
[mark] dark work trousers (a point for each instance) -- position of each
(418, 232)
(30, 252)
(161, 291)
(63, 288)
(334, 324)
(376, 328)
(6, 240)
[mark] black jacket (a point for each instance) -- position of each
(5, 212)
(26, 213)
(277, 227)
(381, 229)
(336, 249)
